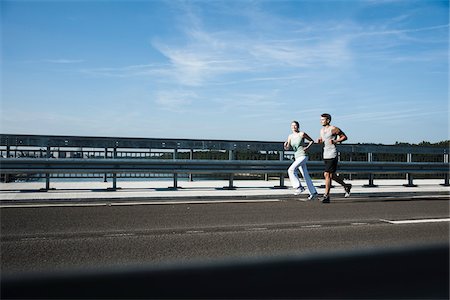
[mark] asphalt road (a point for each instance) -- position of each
(90, 237)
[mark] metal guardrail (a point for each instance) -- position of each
(231, 167)
(17, 140)
(112, 148)
(137, 143)
(39, 165)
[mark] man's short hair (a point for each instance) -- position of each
(328, 116)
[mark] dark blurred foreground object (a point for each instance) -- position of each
(408, 273)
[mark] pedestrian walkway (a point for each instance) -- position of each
(85, 191)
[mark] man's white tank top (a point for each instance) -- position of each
(329, 150)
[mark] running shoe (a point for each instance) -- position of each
(299, 190)
(326, 199)
(313, 197)
(347, 189)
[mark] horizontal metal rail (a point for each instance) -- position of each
(18, 140)
(50, 165)
(117, 166)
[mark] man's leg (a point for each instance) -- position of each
(328, 177)
(340, 180)
(326, 196)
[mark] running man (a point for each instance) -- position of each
(330, 136)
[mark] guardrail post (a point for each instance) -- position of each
(409, 176)
(47, 175)
(266, 176)
(114, 175)
(230, 186)
(281, 186)
(446, 176)
(230, 183)
(175, 181)
(8, 150)
(446, 180)
(371, 176)
(105, 176)
(175, 175)
(191, 157)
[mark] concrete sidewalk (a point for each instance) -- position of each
(89, 191)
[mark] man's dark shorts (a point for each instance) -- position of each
(331, 164)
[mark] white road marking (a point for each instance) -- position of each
(118, 234)
(194, 202)
(416, 221)
(356, 224)
(311, 226)
(51, 205)
(135, 203)
(195, 231)
(256, 228)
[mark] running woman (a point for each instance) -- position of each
(296, 140)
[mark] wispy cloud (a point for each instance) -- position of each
(392, 116)
(175, 101)
(324, 54)
(209, 56)
(262, 79)
(400, 31)
(128, 71)
(203, 56)
(63, 61)
(250, 102)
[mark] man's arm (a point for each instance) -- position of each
(320, 140)
(341, 135)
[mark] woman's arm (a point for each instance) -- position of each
(287, 143)
(308, 138)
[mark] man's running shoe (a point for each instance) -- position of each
(326, 199)
(299, 190)
(347, 189)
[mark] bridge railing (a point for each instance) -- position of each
(33, 154)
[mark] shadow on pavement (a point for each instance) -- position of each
(408, 273)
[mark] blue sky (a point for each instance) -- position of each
(238, 70)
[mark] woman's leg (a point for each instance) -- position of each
(293, 174)
(304, 170)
